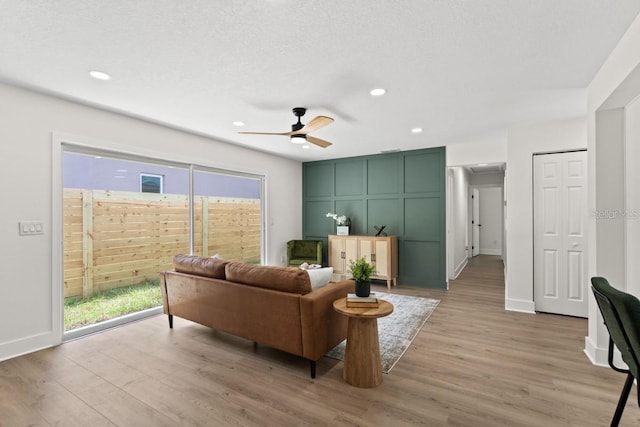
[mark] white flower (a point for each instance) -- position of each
(340, 220)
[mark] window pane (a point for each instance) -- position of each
(118, 238)
(150, 183)
(228, 216)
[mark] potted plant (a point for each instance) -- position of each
(361, 271)
(342, 223)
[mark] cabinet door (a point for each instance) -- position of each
(336, 249)
(366, 246)
(350, 250)
(382, 257)
(341, 250)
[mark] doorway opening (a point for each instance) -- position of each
(466, 235)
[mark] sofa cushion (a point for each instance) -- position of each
(286, 279)
(319, 276)
(200, 266)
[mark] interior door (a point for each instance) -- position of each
(475, 222)
(560, 215)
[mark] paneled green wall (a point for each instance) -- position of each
(404, 191)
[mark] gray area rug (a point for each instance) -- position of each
(397, 330)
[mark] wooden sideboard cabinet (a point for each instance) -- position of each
(381, 252)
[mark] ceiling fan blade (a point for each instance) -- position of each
(316, 123)
(267, 133)
(317, 141)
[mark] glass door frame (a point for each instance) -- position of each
(62, 143)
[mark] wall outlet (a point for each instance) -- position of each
(29, 228)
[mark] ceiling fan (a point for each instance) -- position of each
(300, 132)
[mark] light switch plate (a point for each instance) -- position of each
(30, 228)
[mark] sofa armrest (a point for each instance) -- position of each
(322, 327)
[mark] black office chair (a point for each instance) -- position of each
(621, 314)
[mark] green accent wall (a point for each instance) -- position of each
(404, 191)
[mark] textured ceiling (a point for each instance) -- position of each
(462, 70)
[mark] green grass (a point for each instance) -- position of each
(106, 305)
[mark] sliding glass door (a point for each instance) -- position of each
(124, 218)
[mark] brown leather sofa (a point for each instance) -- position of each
(272, 306)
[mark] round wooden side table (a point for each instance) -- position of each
(362, 367)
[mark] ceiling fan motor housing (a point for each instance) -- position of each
(298, 112)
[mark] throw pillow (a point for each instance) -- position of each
(319, 277)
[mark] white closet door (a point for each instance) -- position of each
(560, 215)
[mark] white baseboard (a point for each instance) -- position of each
(520, 305)
(26, 345)
(460, 267)
(47, 339)
(597, 356)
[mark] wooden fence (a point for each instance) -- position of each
(114, 238)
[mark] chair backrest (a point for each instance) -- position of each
(621, 314)
(305, 248)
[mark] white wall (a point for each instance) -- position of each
(490, 208)
(487, 179)
(30, 292)
(632, 196)
(488, 150)
(523, 142)
(609, 104)
(459, 220)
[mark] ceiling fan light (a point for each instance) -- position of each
(298, 139)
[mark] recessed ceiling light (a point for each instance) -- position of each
(238, 123)
(378, 92)
(100, 75)
(482, 164)
(306, 146)
(416, 130)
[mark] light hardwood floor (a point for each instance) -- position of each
(473, 364)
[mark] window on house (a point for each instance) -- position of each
(150, 183)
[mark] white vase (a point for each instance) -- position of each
(342, 230)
